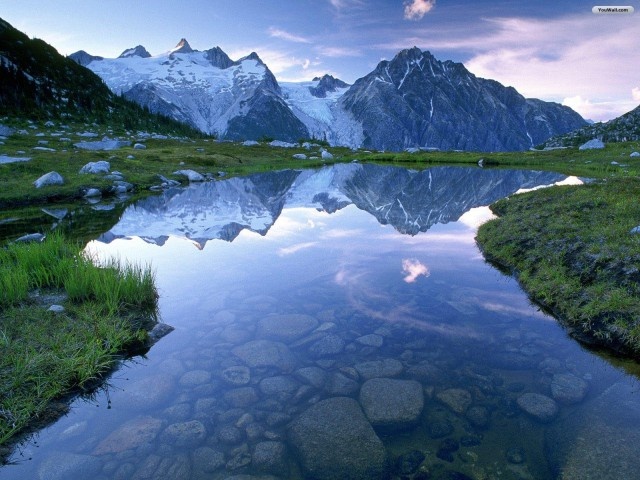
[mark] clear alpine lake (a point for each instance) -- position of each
(341, 323)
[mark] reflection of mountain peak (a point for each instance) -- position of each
(412, 201)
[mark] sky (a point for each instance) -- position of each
(555, 50)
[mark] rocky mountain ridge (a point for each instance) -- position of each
(411, 101)
(625, 128)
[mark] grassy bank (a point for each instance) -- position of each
(573, 251)
(47, 355)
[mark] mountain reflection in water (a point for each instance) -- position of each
(410, 200)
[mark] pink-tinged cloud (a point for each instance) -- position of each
(413, 269)
(416, 9)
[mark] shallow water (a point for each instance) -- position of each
(280, 307)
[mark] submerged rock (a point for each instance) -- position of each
(285, 328)
(131, 435)
(392, 404)
(567, 388)
(457, 399)
(265, 353)
(334, 440)
(538, 406)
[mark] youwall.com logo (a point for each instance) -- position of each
(612, 10)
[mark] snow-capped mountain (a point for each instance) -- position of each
(235, 100)
(414, 100)
(412, 201)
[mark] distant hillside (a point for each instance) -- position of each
(37, 82)
(625, 128)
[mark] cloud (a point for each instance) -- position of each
(413, 269)
(635, 93)
(337, 52)
(283, 35)
(416, 9)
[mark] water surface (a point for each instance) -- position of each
(289, 290)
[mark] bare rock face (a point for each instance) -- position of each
(334, 440)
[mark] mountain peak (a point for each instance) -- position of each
(182, 47)
(138, 51)
(328, 83)
(253, 56)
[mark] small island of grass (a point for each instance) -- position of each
(101, 313)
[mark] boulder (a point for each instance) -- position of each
(6, 159)
(92, 192)
(250, 143)
(592, 145)
(387, 367)
(334, 440)
(191, 175)
(51, 178)
(184, 434)
(6, 131)
(300, 156)
(635, 155)
(265, 353)
(538, 406)
(457, 399)
(391, 404)
(101, 166)
(130, 435)
(139, 146)
(326, 155)
(281, 144)
(31, 237)
(285, 328)
(567, 388)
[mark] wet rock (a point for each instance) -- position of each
(339, 384)
(457, 399)
(285, 328)
(179, 412)
(279, 385)
(51, 178)
(158, 331)
(538, 406)
(230, 435)
(156, 467)
(425, 372)
(478, 416)
(409, 462)
(567, 388)
(239, 458)
(277, 419)
(195, 378)
(241, 397)
(314, 376)
(350, 449)
(266, 353)
(391, 404)
(271, 458)
(130, 435)
(184, 434)
(327, 346)
(63, 465)
(208, 460)
(101, 166)
(388, 367)
(237, 375)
